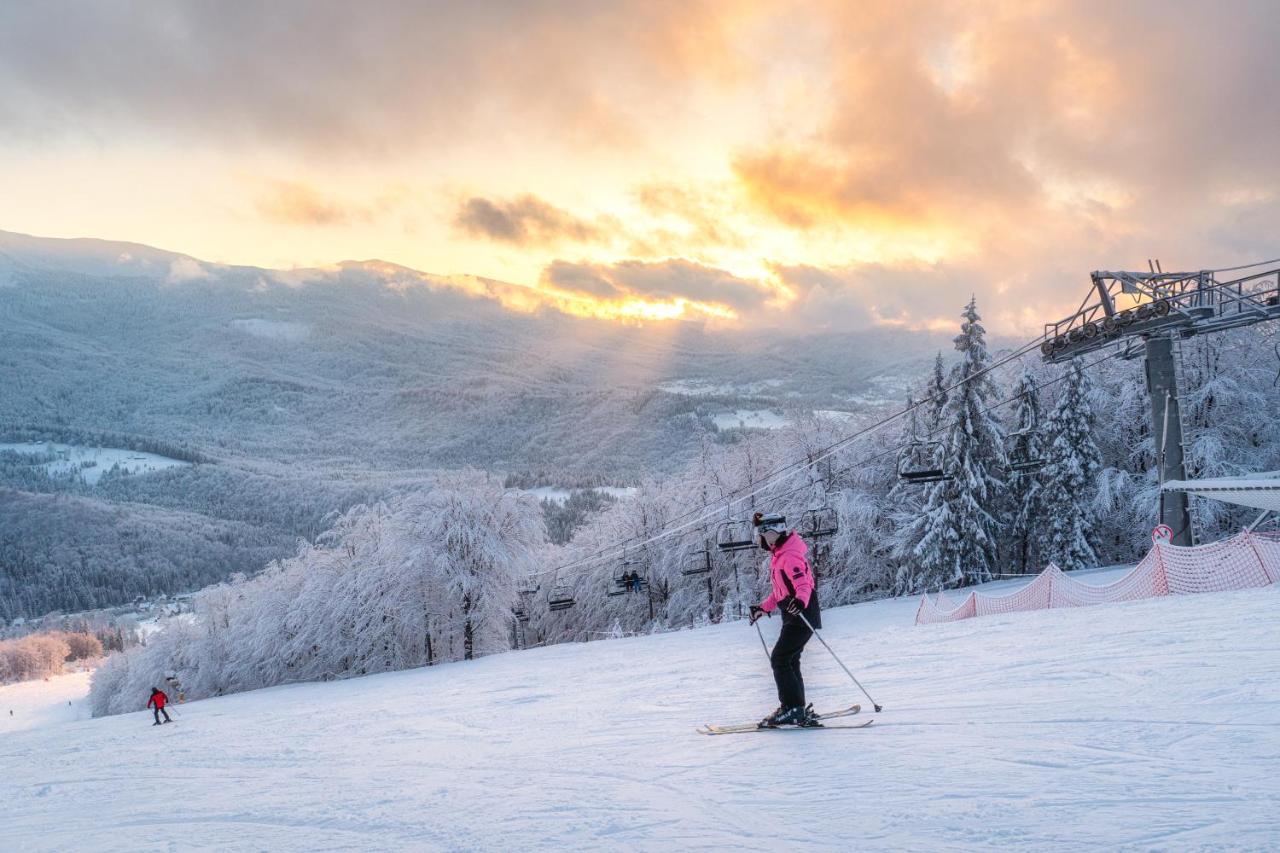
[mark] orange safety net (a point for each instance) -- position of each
(1243, 562)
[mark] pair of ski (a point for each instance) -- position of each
(756, 727)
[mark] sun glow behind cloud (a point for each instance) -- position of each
(808, 164)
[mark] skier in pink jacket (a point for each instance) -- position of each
(794, 593)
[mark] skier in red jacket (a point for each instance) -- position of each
(157, 701)
(795, 593)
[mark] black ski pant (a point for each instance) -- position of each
(786, 662)
(158, 712)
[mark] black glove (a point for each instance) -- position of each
(791, 606)
(756, 612)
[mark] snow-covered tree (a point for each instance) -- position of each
(425, 578)
(960, 543)
(479, 540)
(1026, 451)
(937, 393)
(1071, 476)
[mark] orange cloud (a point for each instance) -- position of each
(893, 157)
(298, 203)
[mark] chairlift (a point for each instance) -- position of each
(627, 582)
(526, 591)
(917, 463)
(696, 563)
(818, 522)
(560, 598)
(1019, 462)
(735, 536)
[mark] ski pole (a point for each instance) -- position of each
(837, 657)
(763, 644)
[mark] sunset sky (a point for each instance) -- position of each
(795, 164)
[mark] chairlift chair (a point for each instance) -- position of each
(735, 536)
(913, 467)
(627, 582)
(818, 522)
(696, 563)
(561, 598)
(1021, 463)
(1025, 466)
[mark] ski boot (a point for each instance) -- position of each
(793, 716)
(811, 719)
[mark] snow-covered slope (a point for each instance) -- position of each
(1149, 725)
(35, 704)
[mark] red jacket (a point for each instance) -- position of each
(158, 699)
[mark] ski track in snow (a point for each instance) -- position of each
(1142, 726)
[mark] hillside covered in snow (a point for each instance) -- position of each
(277, 397)
(1151, 725)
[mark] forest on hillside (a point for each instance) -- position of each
(297, 399)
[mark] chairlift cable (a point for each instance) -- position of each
(900, 447)
(776, 476)
(1246, 266)
(604, 555)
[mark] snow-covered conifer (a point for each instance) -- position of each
(1026, 451)
(961, 536)
(1070, 476)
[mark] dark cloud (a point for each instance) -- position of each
(334, 75)
(524, 221)
(663, 280)
(582, 279)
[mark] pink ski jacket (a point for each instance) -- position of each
(790, 573)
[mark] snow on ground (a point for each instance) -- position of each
(836, 415)
(99, 460)
(750, 419)
(32, 704)
(1150, 725)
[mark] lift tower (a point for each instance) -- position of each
(1161, 308)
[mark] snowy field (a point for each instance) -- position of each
(1152, 725)
(750, 419)
(93, 462)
